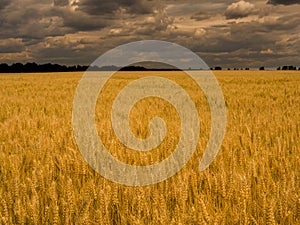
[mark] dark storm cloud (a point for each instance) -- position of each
(201, 16)
(83, 24)
(61, 2)
(37, 21)
(284, 2)
(11, 46)
(96, 7)
(250, 36)
(249, 41)
(230, 42)
(79, 21)
(4, 3)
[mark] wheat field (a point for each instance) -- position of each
(255, 179)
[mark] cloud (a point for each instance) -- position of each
(94, 7)
(239, 10)
(31, 20)
(158, 22)
(251, 42)
(199, 16)
(267, 51)
(79, 21)
(61, 2)
(4, 3)
(283, 2)
(11, 45)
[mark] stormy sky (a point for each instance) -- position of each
(227, 33)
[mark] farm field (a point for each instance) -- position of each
(255, 179)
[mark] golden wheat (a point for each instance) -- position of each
(253, 180)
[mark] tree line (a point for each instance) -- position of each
(49, 67)
(34, 67)
(260, 68)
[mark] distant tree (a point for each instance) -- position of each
(72, 68)
(133, 68)
(34, 67)
(279, 68)
(291, 68)
(228, 69)
(4, 68)
(218, 68)
(247, 68)
(30, 67)
(17, 67)
(81, 68)
(262, 68)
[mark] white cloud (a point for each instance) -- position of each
(239, 10)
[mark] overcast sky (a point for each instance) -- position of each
(226, 33)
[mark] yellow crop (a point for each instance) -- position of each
(255, 178)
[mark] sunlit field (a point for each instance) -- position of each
(255, 179)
